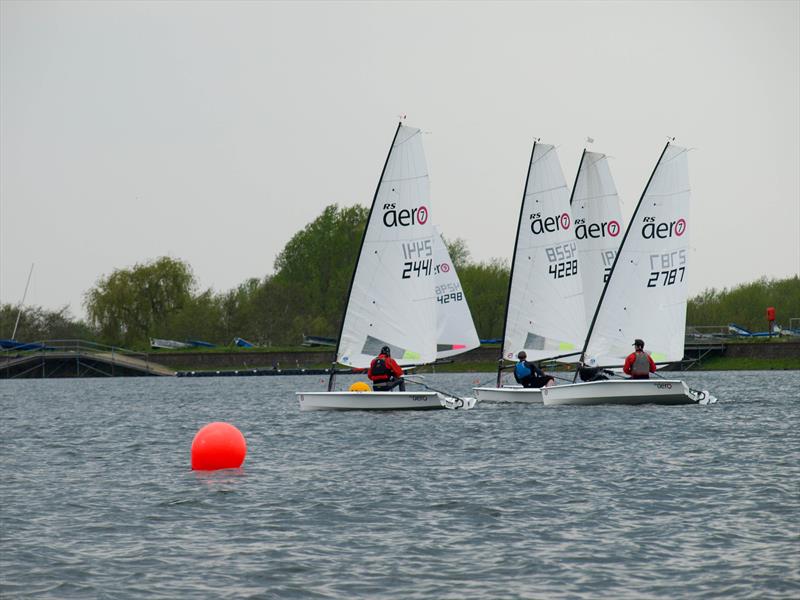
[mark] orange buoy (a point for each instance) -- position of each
(359, 386)
(218, 446)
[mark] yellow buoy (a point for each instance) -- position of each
(359, 386)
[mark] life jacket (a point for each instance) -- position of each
(640, 366)
(522, 370)
(380, 370)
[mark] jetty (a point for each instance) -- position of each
(77, 358)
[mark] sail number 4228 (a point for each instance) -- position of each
(563, 260)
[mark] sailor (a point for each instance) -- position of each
(589, 371)
(385, 373)
(529, 375)
(639, 365)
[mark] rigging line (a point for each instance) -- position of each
(425, 385)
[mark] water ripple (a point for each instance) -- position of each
(503, 501)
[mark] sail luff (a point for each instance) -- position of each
(361, 247)
(392, 301)
(545, 309)
(514, 260)
(577, 176)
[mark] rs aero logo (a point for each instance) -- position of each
(651, 229)
(404, 217)
(540, 224)
(597, 230)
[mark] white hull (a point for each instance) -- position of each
(509, 394)
(377, 401)
(629, 391)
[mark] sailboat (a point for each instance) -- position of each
(644, 296)
(545, 315)
(393, 293)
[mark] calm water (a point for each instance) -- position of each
(98, 500)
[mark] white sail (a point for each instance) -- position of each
(455, 328)
(545, 307)
(598, 225)
(647, 291)
(392, 300)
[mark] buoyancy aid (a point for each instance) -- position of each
(522, 370)
(641, 365)
(380, 371)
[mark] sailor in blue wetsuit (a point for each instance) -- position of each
(529, 375)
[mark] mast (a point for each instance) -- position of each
(513, 261)
(360, 248)
(577, 175)
(616, 258)
(22, 303)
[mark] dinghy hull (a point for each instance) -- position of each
(629, 391)
(370, 401)
(514, 394)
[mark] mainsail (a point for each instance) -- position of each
(545, 312)
(598, 225)
(646, 293)
(392, 299)
(455, 328)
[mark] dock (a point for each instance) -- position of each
(78, 358)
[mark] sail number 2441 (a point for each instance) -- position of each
(417, 262)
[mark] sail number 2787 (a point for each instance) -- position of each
(667, 268)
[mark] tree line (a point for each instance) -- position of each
(306, 294)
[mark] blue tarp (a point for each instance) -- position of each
(200, 343)
(15, 345)
(243, 343)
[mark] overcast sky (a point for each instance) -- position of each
(212, 132)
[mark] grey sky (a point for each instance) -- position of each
(213, 132)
